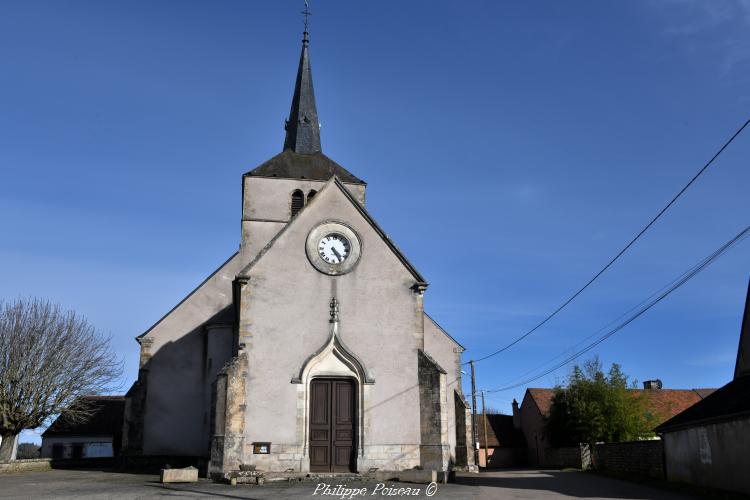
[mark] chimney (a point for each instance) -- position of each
(652, 385)
(516, 415)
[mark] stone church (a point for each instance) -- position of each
(309, 349)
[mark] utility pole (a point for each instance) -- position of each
(484, 418)
(474, 433)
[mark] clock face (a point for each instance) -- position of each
(334, 248)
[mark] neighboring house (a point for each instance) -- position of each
(662, 404)
(309, 349)
(99, 435)
(709, 443)
(503, 445)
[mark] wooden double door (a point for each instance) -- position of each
(333, 425)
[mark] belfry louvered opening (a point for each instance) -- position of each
(298, 201)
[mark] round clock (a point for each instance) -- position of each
(333, 248)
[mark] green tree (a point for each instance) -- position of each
(27, 450)
(598, 407)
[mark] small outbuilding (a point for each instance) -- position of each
(97, 436)
(501, 443)
(708, 443)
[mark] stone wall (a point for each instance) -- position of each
(570, 457)
(33, 465)
(636, 458)
(434, 451)
(228, 417)
(45, 464)
(462, 438)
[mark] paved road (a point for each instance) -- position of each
(509, 484)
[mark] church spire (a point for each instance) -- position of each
(302, 127)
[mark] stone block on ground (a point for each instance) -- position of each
(186, 475)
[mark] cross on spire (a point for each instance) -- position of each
(302, 127)
(307, 15)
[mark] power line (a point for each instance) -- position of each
(621, 252)
(684, 278)
(567, 351)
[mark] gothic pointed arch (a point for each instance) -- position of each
(334, 348)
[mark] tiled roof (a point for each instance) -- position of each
(105, 419)
(704, 393)
(543, 399)
(500, 432)
(663, 404)
(731, 401)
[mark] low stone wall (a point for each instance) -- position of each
(570, 457)
(32, 465)
(42, 464)
(636, 458)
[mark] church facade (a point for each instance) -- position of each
(309, 349)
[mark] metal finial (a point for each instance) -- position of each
(307, 15)
(334, 310)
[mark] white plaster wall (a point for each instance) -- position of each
(94, 446)
(270, 199)
(714, 455)
(285, 319)
(178, 398)
(266, 208)
(176, 420)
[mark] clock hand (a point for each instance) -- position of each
(337, 254)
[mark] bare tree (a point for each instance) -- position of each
(49, 358)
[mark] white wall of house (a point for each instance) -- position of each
(92, 446)
(713, 455)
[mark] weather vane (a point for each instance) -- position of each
(306, 13)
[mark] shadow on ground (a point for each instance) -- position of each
(569, 483)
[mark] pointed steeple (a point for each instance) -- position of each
(302, 127)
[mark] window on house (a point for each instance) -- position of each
(57, 451)
(298, 201)
(311, 195)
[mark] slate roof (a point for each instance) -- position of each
(105, 420)
(302, 157)
(663, 404)
(302, 127)
(742, 367)
(291, 165)
(727, 403)
(500, 432)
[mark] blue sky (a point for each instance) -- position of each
(510, 149)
